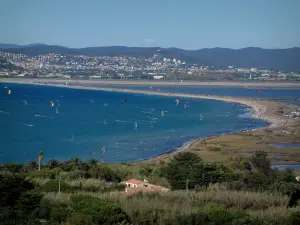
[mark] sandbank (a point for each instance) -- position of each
(250, 84)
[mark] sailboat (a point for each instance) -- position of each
(201, 117)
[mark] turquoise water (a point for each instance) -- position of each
(295, 167)
(83, 121)
(287, 145)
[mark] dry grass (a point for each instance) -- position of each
(233, 199)
(175, 203)
(165, 206)
(58, 197)
(86, 182)
(248, 142)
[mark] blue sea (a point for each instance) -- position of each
(276, 93)
(82, 122)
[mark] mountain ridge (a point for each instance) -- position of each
(279, 59)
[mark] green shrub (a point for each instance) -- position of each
(222, 216)
(237, 185)
(104, 173)
(45, 173)
(193, 219)
(80, 219)
(45, 209)
(73, 175)
(294, 218)
(60, 212)
(214, 149)
(100, 211)
(286, 188)
(53, 186)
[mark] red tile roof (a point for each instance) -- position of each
(133, 181)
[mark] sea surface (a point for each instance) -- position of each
(289, 94)
(82, 122)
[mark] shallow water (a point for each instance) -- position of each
(287, 145)
(296, 167)
(83, 121)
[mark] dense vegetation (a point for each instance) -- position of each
(244, 190)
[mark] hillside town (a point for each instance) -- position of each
(126, 67)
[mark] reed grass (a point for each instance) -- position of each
(163, 207)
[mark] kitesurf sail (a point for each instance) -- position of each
(103, 149)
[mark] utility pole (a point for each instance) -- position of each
(58, 182)
(58, 185)
(187, 185)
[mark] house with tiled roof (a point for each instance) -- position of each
(134, 185)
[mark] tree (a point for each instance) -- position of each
(31, 165)
(41, 157)
(181, 168)
(146, 171)
(287, 175)
(104, 173)
(75, 161)
(93, 162)
(239, 162)
(187, 171)
(18, 202)
(260, 161)
(52, 163)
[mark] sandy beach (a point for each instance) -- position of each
(262, 109)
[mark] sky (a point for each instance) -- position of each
(187, 24)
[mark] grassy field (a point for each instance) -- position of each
(164, 206)
(218, 149)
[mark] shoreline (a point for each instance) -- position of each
(247, 83)
(262, 109)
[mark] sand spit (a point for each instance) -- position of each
(252, 84)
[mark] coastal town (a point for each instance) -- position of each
(55, 65)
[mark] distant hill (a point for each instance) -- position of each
(9, 46)
(280, 59)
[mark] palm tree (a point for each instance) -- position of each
(52, 163)
(93, 162)
(75, 161)
(41, 157)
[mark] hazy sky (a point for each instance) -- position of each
(189, 24)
